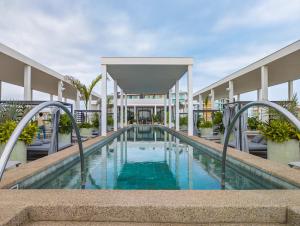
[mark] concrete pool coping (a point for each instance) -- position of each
(261, 207)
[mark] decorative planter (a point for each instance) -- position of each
(206, 132)
(87, 132)
(19, 152)
(64, 139)
(284, 152)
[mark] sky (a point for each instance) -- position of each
(70, 36)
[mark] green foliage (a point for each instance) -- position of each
(65, 124)
(7, 128)
(253, 123)
(218, 121)
(183, 121)
(85, 125)
(110, 120)
(278, 129)
(155, 118)
(202, 123)
(95, 120)
(12, 111)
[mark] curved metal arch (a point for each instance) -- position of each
(22, 124)
(290, 117)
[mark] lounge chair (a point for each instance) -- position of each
(294, 164)
(257, 146)
(38, 149)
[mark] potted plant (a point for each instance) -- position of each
(85, 129)
(282, 137)
(205, 127)
(19, 152)
(183, 122)
(253, 123)
(218, 122)
(64, 130)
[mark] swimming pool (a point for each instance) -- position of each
(147, 157)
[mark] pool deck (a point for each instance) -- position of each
(120, 207)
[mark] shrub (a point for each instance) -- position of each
(253, 123)
(183, 121)
(110, 120)
(85, 125)
(95, 120)
(65, 124)
(206, 124)
(7, 128)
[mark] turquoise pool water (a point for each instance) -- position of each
(151, 158)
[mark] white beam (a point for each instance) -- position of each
(212, 99)
(121, 109)
(125, 120)
(104, 100)
(290, 90)
(177, 105)
(264, 83)
(165, 110)
(230, 91)
(27, 83)
(115, 106)
(170, 108)
(190, 100)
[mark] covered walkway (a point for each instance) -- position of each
(145, 75)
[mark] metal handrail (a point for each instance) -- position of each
(22, 124)
(290, 117)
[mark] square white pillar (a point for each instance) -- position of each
(51, 97)
(170, 108)
(0, 90)
(77, 103)
(27, 83)
(200, 102)
(177, 105)
(230, 91)
(165, 110)
(115, 106)
(290, 90)
(59, 90)
(264, 83)
(121, 109)
(190, 100)
(238, 97)
(212, 99)
(126, 111)
(104, 100)
(134, 112)
(155, 110)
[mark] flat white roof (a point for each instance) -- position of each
(43, 79)
(146, 75)
(283, 65)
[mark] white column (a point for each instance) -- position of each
(77, 103)
(264, 83)
(155, 110)
(165, 110)
(51, 97)
(121, 109)
(190, 100)
(27, 83)
(134, 112)
(104, 100)
(258, 94)
(200, 102)
(126, 110)
(59, 90)
(290, 90)
(177, 105)
(238, 97)
(230, 91)
(90, 103)
(65, 100)
(212, 99)
(115, 106)
(170, 108)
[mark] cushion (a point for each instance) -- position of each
(37, 143)
(46, 141)
(257, 139)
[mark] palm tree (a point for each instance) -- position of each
(85, 91)
(206, 105)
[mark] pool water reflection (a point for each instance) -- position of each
(146, 157)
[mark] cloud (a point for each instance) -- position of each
(267, 12)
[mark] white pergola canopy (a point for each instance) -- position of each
(283, 66)
(146, 75)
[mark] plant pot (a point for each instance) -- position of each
(284, 152)
(206, 132)
(87, 132)
(64, 139)
(19, 152)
